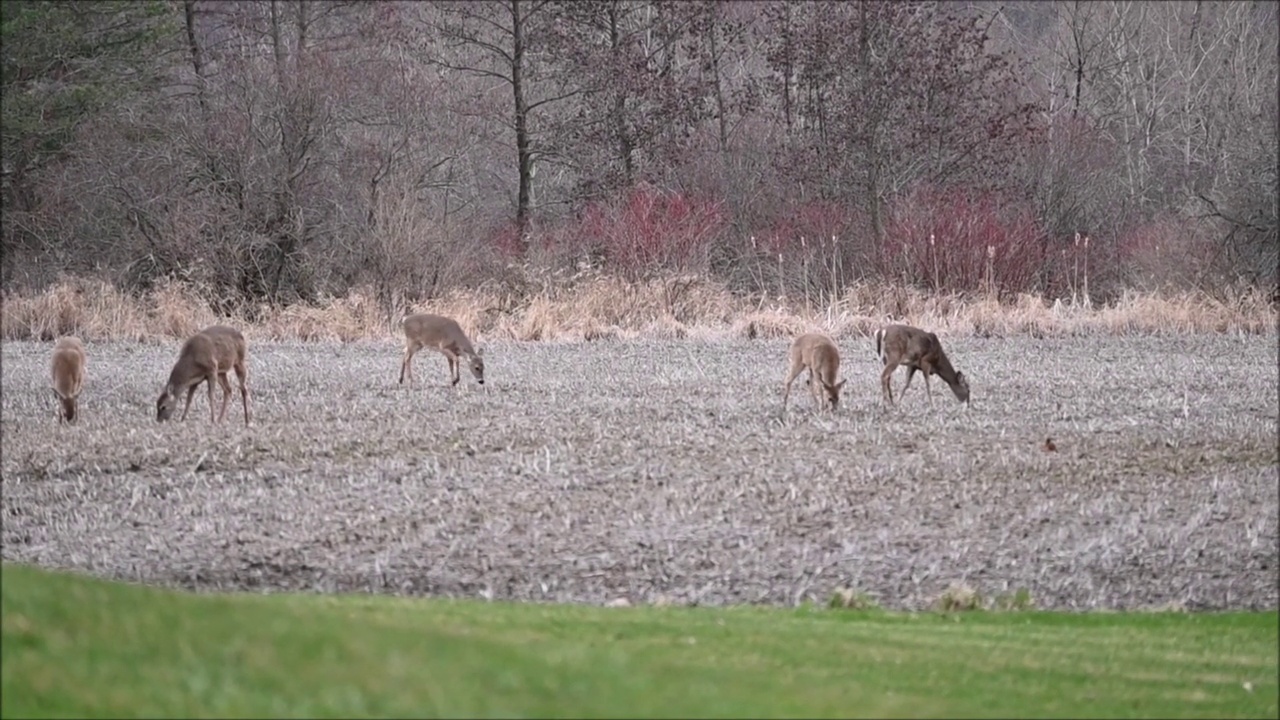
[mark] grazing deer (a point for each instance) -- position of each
(208, 355)
(68, 376)
(441, 334)
(819, 355)
(918, 350)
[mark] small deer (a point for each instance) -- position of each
(68, 376)
(819, 355)
(208, 355)
(918, 350)
(441, 334)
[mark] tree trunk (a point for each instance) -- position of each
(197, 58)
(524, 154)
(722, 121)
(624, 146)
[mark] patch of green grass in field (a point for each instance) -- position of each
(75, 646)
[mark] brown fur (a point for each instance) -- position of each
(918, 350)
(818, 354)
(208, 355)
(443, 335)
(68, 376)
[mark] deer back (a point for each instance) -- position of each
(820, 355)
(68, 366)
(437, 331)
(229, 346)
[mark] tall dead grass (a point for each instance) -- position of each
(601, 307)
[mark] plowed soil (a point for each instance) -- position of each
(666, 472)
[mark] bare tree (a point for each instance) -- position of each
(494, 39)
(638, 93)
(891, 93)
(271, 150)
(1180, 90)
(64, 66)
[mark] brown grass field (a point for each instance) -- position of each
(659, 469)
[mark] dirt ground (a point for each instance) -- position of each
(663, 471)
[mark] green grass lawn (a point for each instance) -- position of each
(74, 646)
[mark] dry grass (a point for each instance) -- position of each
(601, 307)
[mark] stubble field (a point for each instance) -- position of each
(663, 471)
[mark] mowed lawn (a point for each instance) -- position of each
(76, 646)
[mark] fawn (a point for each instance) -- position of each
(441, 334)
(918, 350)
(68, 376)
(819, 355)
(209, 354)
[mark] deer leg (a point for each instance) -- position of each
(927, 390)
(209, 384)
(911, 371)
(226, 395)
(191, 391)
(786, 387)
(405, 369)
(453, 367)
(886, 378)
(242, 376)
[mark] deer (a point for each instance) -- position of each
(819, 355)
(918, 350)
(443, 335)
(68, 376)
(208, 355)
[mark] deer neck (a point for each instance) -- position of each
(942, 368)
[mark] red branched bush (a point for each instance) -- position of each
(952, 240)
(819, 248)
(505, 238)
(646, 229)
(811, 224)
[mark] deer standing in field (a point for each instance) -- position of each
(68, 376)
(443, 335)
(819, 355)
(918, 350)
(208, 355)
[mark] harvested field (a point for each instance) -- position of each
(663, 472)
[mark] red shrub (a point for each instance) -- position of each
(646, 229)
(505, 238)
(810, 225)
(952, 240)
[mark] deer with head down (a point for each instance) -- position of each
(68, 376)
(818, 354)
(205, 357)
(443, 335)
(918, 350)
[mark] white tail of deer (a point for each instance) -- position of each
(68, 376)
(918, 350)
(205, 357)
(443, 335)
(818, 354)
